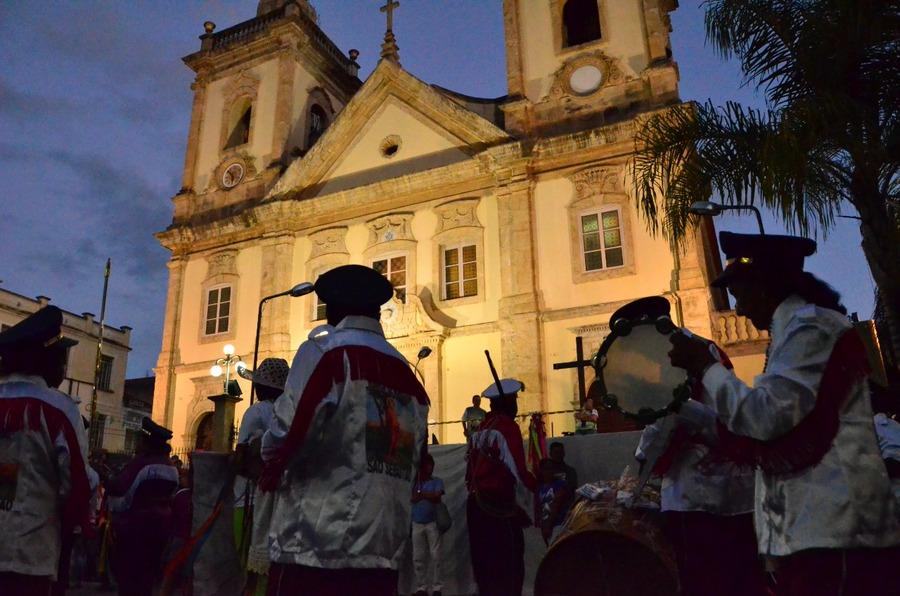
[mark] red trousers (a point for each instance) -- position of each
(300, 580)
(844, 572)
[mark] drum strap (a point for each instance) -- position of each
(807, 443)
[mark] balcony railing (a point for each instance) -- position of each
(730, 329)
(254, 27)
(246, 30)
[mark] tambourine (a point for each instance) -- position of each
(634, 376)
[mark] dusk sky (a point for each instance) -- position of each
(94, 110)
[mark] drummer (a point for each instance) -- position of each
(823, 510)
(707, 501)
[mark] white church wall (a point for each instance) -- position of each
(466, 373)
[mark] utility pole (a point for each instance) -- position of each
(93, 431)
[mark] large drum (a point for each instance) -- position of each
(604, 549)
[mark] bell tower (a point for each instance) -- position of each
(265, 91)
(577, 64)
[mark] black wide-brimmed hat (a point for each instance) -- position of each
(41, 330)
(749, 253)
(353, 286)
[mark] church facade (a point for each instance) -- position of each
(504, 224)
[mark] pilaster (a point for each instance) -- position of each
(284, 100)
(193, 142)
(277, 268)
(690, 287)
(521, 334)
(164, 390)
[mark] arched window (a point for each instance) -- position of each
(318, 121)
(581, 22)
(239, 123)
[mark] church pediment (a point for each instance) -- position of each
(395, 125)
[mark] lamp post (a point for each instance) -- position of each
(424, 352)
(712, 209)
(224, 365)
(301, 289)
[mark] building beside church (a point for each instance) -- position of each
(504, 224)
(78, 383)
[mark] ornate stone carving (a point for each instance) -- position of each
(243, 84)
(402, 320)
(221, 263)
(597, 181)
(328, 241)
(609, 67)
(395, 226)
(457, 214)
(592, 336)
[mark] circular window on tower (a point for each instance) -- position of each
(390, 145)
(586, 79)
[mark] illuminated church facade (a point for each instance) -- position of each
(504, 224)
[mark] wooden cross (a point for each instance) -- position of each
(580, 363)
(389, 9)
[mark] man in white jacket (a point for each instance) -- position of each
(824, 511)
(343, 449)
(45, 488)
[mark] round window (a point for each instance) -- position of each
(586, 79)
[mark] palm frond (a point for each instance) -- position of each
(746, 157)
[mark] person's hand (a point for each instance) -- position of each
(690, 353)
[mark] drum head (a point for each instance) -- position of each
(634, 372)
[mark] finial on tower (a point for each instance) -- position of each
(389, 49)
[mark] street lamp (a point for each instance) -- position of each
(224, 365)
(424, 352)
(712, 209)
(301, 289)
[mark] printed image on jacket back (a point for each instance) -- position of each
(390, 432)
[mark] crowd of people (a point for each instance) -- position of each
(336, 482)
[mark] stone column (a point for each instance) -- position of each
(690, 284)
(277, 271)
(169, 357)
(521, 332)
(284, 101)
(193, 142)
(217, 569)
(223, 421)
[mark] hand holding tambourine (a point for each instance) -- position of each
(690, 353)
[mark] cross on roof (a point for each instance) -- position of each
(389, 9)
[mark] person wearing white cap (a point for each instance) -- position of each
(45, 489)
(824, 512)
(343, 449)
(501, 490)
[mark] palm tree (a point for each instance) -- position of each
(829, 137)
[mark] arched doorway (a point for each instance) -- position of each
(203, 440)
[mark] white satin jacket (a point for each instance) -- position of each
(44, 476)
(844, 501)
(348, 433)
(697, 480)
